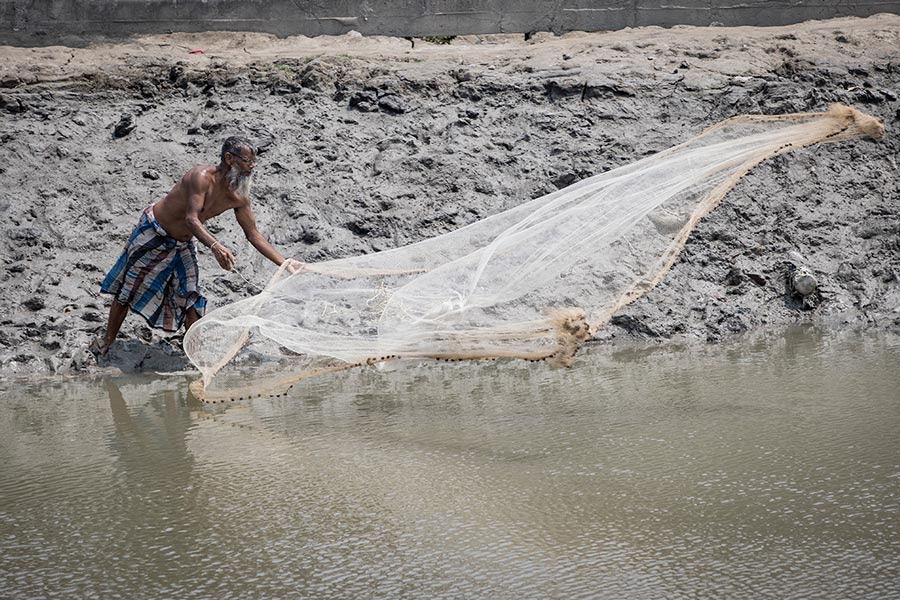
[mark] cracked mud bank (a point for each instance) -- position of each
(371, 143)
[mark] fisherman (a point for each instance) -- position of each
(156, 275)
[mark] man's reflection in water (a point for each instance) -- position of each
(155, 496)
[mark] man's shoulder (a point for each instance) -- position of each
(201, 176)
(203, 171)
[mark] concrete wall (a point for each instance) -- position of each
(46, 21)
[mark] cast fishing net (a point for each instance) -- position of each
(533, 282)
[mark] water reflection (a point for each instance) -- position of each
(769, 468)
(155, 505)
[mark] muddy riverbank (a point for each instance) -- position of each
(371, 143)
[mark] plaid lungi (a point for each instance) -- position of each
(156, 275)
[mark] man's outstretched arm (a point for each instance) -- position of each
(247, 222)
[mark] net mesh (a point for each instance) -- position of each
(533, 282)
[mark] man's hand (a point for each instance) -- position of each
(295, 266)
(224, 256)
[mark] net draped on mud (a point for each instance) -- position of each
(533, 282)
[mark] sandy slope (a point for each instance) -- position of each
(374, 142)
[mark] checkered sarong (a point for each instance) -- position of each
(156, 275)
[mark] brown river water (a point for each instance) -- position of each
(765, 468)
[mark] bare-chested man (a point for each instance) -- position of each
(156, 275)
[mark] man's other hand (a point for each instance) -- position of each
(223, 256)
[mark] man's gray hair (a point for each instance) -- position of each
(234, 144)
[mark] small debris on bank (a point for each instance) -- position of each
(125, 125)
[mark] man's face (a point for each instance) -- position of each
(240, 172)
(245, 161)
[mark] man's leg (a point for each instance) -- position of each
(190, 317)
(117, 314)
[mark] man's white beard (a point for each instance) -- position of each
(238, 182)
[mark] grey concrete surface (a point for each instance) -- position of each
(39, 22)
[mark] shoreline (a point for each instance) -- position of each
(372, 143)
(626, 346)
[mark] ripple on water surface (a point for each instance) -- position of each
(763, 469)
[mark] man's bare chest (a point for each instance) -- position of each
(213, 207)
